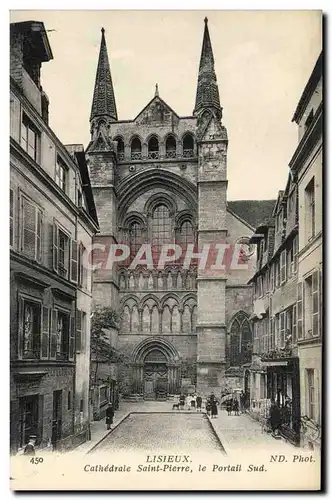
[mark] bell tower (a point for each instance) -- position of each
(212, 145)
(101, 154)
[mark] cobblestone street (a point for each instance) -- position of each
(174, 429)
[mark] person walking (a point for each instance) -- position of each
(214, 408)
(182, 400)
(188, 401)
(236, 406)
(29, 449)
(193, 401)
(208, 407)
(275, 419)
(109, 415)
(199, 403)
(229, 407)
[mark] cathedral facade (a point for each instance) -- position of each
(162, 179)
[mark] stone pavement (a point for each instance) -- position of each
(235, 432)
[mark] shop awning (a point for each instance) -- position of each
(275, 363)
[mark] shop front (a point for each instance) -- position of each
(283, 388)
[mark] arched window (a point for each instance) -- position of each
(120, 148)
(170, 147)
(153, 148)
(186, 233)
(188, 146)
(136, 149)
(161, 230)
(240, 347)
(135, 238)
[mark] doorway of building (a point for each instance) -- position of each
(57, 418)
(155, 375)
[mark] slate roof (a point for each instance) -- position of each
(254, 212)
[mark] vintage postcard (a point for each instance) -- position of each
(166, 267)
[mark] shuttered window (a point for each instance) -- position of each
(31, 230)
(11, 217)
(300, 311)
(294, 331)
(78, 330)
(65, 254)
(283, 266)
(282, 329)
(315, 304)
(45, 334)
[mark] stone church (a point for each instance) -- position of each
(161, 178)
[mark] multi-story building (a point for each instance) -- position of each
(162, 178)
(307, 168)
(286, 366)
(274, 373)
(52, 219)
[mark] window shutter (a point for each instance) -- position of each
(20, 326)
(39, 235)
(72, 337)
(282, 329)
(272, 276)
(295, 252)
(74, 261)
(45, 333)
(54, 334)
(29, 228)
(294, 336)
(78, 330)
(283, 266)
(55, 247)
(300, 311)
(11, 217)
(315, 304)
(320, 284)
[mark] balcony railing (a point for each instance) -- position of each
(121, 156)
(136, 155)
(153, 155)
(171, 154)
(188, 153)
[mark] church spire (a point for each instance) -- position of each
(103, 103)
(207, 94)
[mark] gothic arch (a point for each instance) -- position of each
(156, 343)
(186, 298)
(152, 297)
(160, 199)
(134, 217)
(129, 189)
(169, 296)
(239, 339)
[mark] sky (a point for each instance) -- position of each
(263, 60)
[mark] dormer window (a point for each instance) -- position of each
(61, 172)
(29, 137)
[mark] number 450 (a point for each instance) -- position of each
(36, 460)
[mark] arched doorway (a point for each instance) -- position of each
(155, 374)
(156, 369)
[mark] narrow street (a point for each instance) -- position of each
(154, 426)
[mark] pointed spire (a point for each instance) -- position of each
(156, 94)
(207, 95)
(103, 103)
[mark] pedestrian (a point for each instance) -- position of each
(199, 403)
(214, 408)
(229, 407)
(182, 401)
(109, 415)
(275, 419)
(193, 401)
(188, 401)
(29, 449)
(236, 406)
(208, 407)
